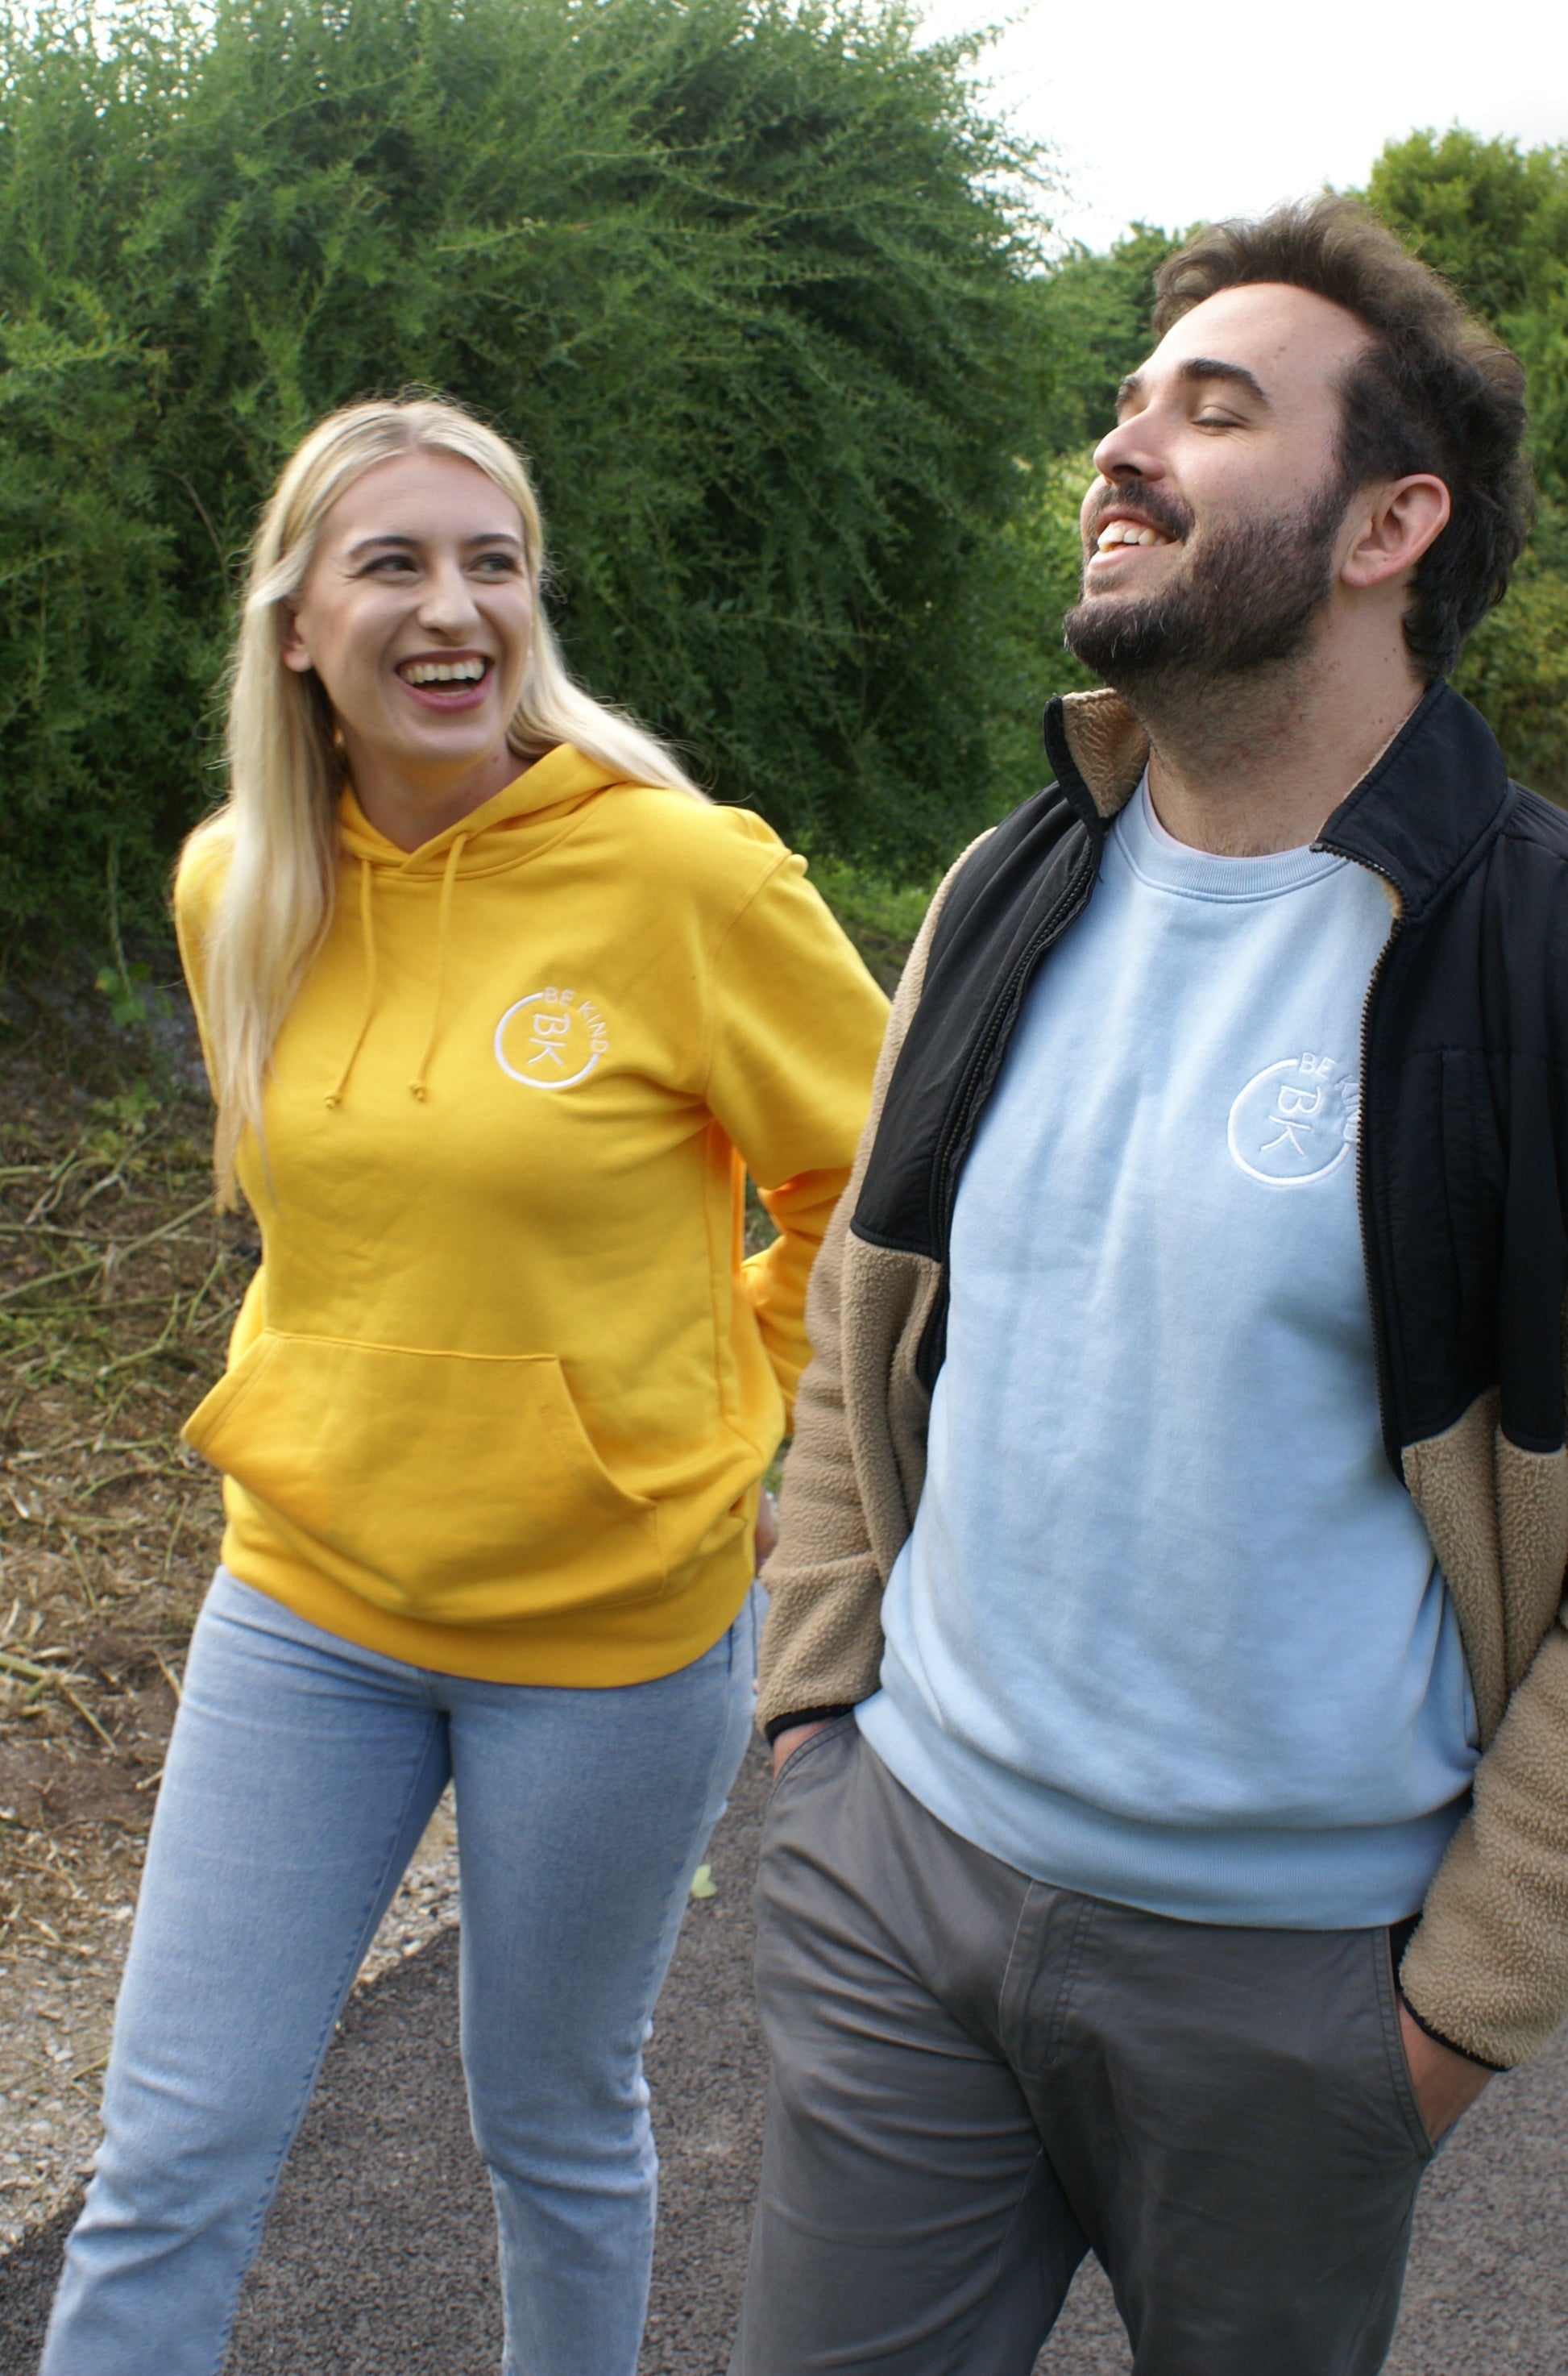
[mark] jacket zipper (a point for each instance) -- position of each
(960, 1127)
(1370, 1250)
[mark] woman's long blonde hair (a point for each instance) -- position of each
(285, 772)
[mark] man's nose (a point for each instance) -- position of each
(1128, 452)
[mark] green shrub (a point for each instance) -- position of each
(1493, 218)
(742, 276)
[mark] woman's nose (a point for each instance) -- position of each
(448, 598)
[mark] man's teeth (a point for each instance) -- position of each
(1128, 532)
(443, 671)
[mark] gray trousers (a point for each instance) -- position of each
(975, 2079)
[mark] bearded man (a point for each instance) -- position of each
(1166, 1666)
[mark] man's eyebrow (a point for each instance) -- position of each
(1202, 367)
(1193, 372)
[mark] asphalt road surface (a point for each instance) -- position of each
(378, 2259)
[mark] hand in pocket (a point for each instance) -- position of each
(1446, 2084)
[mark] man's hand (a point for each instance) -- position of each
(1446, 2084)
(787, 1742)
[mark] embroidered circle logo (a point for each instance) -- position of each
(1295, 1120)
(551, 1039)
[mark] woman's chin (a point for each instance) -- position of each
(443, 743)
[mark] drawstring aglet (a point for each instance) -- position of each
(443, 935)
(367, 935)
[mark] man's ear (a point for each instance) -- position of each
(1397, 524)
(292, 649)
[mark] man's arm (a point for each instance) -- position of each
(1487, 1969)
(821, 1644)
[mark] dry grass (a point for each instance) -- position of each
(118, 1284)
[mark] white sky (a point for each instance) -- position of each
(1172, 114)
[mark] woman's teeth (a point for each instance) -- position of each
(1128, 532)
(443, 671)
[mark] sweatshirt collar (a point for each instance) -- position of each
(1415, 817)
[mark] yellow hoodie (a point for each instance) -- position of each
(500, 1395)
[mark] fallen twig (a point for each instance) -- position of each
(29, 1671)
(115, 1250)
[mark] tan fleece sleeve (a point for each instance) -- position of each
(821, 1644)
(1487, 1967)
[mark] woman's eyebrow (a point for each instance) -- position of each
(382, 536)
(404, 543)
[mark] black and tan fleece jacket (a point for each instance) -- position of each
(1464, 1199)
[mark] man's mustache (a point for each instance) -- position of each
(1173, 519)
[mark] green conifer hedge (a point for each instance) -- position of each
(759, 285)
(749, 280)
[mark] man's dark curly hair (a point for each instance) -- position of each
(1435, 390)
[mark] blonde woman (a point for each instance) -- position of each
(499, 1012)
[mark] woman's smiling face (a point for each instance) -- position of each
(416, 617)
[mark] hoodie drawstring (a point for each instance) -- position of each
(442, 942)
(443, 934)
(367, 933)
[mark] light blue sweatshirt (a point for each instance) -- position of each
(1167, 1629)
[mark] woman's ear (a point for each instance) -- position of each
(292, 647)
(1402, 520)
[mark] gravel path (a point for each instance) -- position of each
(379, 2256)
(57, 2004)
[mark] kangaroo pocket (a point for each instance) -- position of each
(448, 1486)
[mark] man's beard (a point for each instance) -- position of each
(1250, 600)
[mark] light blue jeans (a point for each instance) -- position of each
(300, 1777)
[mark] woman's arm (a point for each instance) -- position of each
(198, 883)
(797, 1023)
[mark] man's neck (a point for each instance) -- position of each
(1260, 762)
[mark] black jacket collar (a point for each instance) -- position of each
(1422, 811)
(1416, 817)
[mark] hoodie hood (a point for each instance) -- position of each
(510, 827)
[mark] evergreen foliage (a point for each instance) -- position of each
(1095, 315)
(1493, 218)
(759, 286)
(742, 276)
